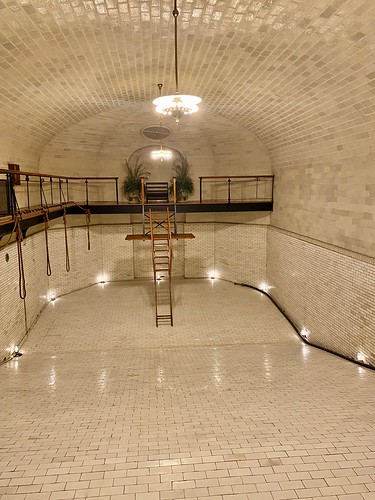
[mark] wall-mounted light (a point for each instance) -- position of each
(265, 287)
(361, 357)
(305, 333)
(51, 296)
(16, 352)
(102, 279)
(213, 275)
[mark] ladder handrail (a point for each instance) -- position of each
(170, 246)
(153, 266)
(170, 257)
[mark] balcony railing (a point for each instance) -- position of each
(36, 190)
(235, 188)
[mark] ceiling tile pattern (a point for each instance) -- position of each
(288, 70)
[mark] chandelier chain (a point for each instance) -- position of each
(176, 105)
(175, 13)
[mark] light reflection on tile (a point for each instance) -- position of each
(105, 405)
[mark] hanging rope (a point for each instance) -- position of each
(49, 271)
(88, 219)
(19, 238)
(10, 236)
(21, 270)
(67, 261)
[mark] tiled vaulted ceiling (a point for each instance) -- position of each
(285, 69)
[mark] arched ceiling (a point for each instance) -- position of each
(285, 69)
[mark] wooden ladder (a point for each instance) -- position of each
(162, 254)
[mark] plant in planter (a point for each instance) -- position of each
(132, 182)
(184, 182)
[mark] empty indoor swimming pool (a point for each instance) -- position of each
(227, 404)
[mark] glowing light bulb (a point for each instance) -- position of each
(305, 333)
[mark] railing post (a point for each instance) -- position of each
(51, 189)
(67, 191)
(27, 191)
(142, 190)
(116, 183)
(256, 189)
(60, 196)
(11, 196)
(87, 191)
(229, 181)
(41, 190)
(200, 189)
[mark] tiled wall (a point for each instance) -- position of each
(326, 193)
(12, 320)
(110, 258)
(99, 146)
(328, 291)
(113, 258)
(235, 252)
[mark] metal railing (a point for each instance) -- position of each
(236, 188)
(37, 190)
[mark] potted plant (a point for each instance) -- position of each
(184, 182)
(132, 182)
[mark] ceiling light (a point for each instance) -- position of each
(176, 105)
(161, 154)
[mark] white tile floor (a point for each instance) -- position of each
(228, 404)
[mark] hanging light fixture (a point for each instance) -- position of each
(176, 105)
(161, 154)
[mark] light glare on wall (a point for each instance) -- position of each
(213, 275)
(102, 279)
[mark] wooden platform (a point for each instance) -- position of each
(145, 237)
